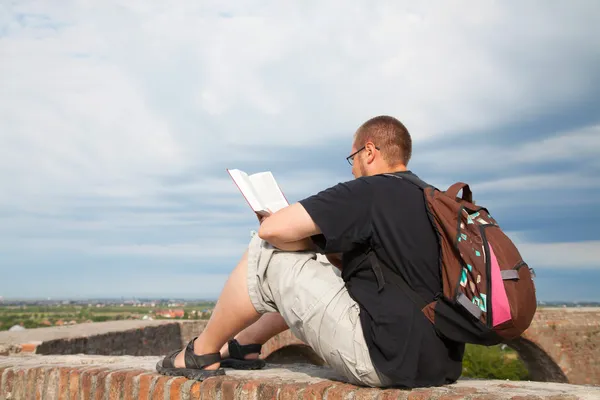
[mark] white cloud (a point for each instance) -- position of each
(564, 255)
(556, 181)
(103, 100)
(104, 107)
(205, 249)
(580, 145)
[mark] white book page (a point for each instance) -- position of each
(242, 180)
(268, 191)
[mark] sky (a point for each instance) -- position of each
(118, 120)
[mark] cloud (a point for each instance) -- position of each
(562, 255)
(118, 119)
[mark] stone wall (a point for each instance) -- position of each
(562, 345)
(146, 341)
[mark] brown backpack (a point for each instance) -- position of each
(488, 290)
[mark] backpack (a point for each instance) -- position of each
(488, 291)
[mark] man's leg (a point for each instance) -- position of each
(233, 312)
(269, 325)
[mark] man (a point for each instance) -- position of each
(364, 327)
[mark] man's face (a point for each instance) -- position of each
(358, 165)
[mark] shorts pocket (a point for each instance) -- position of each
(313, 288)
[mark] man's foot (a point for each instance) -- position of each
(239, 356)
(190, 365)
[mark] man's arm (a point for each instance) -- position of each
(289, 229)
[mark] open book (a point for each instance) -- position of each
(260, 190)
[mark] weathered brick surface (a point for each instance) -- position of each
(101, 377)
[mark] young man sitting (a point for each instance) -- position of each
(366, 329)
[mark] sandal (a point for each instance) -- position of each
(194, 364)
(237, 352)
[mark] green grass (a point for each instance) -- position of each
(493, 363)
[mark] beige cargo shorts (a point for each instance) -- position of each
(311, 296)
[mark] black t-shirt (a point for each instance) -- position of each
(389, 215)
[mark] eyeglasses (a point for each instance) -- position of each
(350, 158)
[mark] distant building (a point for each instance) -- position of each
(177, 313)
(16, 328)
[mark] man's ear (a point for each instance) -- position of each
(370, 150)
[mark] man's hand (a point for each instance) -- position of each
(289, 229)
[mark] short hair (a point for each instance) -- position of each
(390, 135)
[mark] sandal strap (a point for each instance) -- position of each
(238, 351)
(198, 362)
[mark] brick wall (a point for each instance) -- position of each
(123, 377)
(567, 338)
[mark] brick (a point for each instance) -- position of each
(293, 391)
(28, 347)
(249, 389)
(85, 385)
(31, 381)
(145, 384)
(421, 394)
(74, 384)
(316, 390)
(195, 393)
(366, 394)
(102, 378)
(393, 394)
(131, 384)
(51, 386)
(88, 382)
(228, 388)
(210, 387)
(19, 381)
(158, 391)
(116, 386)
(63, 383)
(563, 397)
(41, 383)
(463, 390)
(175, 388)
(268, 391)
(7, 377)
(341, 391)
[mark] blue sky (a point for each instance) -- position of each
(118, 119)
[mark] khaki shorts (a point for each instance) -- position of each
(311, 296)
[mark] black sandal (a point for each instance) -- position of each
(237, 352)
(194, 364)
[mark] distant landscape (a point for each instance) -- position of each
(28, 314)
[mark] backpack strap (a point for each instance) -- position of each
(391, 276)
(453, 190)
(412, 178)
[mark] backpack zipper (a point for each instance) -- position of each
(488, 268)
